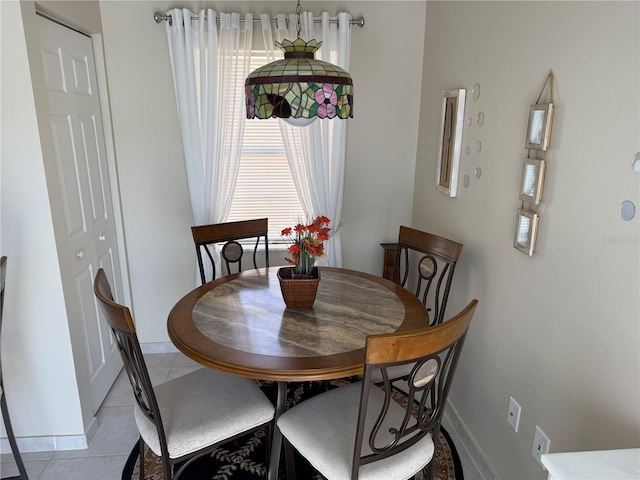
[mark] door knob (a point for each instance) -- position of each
(102, 237)
(79, 253)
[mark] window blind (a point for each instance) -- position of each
(265, 187)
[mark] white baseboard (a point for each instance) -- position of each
(468, 442)
(52, 442)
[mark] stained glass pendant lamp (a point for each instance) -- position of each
(299, 88)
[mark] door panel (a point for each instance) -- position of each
(108, 262)
(81, 75)
(96, 187)
(85, 233)
(93, 336)
(68, 173)
(53, 71)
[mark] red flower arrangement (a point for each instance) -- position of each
(307, 243)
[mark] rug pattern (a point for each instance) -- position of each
(245, 458)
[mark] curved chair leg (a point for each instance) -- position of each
(429, 470)
(267, 443)
(167, 468)
(141, 458)
(289, 460)
(12, 439)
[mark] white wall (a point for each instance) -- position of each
(38, 367)
(381, 150)
(559, 330)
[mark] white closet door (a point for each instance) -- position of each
(84, 222)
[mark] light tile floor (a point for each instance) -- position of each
(117, 434)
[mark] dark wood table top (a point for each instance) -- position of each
(239, 324)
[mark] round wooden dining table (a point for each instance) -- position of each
(239, 324)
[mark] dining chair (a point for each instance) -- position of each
(3, 401)
(360, 431)
(425, 258)
(189, 416)
(206, 237)
(422, 259)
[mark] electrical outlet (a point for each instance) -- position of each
(513, 415)
(540, 445)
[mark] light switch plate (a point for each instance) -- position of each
(513, 416)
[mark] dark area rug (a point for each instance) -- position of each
(245, 458)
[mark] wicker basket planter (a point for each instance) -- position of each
(298, 292)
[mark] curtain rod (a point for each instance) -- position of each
(158, 17)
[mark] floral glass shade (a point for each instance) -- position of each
(299, 86)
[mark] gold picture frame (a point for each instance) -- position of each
(526, 231)
(539, 127)
(451, 123)
(532, 180)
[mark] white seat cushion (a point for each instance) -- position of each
(323, 430)
(203, 408)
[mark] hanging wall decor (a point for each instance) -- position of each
(539, 128)
(537, 139)
(526, 231)
(532, 180)
(452, 120)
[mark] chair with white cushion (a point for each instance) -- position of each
(359, 431)
(185, 418)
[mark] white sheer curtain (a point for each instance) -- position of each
(316, 153)
(207, 60)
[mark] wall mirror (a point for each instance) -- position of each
(526, 231)
(532, 181)
(451, 123)
(539, 128)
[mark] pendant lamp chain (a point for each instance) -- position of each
(298, 13)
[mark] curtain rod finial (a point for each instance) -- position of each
(158, 17)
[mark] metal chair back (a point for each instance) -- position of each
(124, 332)
(427, 259)
(433, 354)
(206, 237)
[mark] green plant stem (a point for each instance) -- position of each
(305, 262)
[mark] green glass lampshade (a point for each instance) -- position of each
(299, 86)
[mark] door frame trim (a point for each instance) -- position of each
(105, 112)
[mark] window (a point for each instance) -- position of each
(265, 187)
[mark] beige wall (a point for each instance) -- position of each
(560, 330)
(381, 150)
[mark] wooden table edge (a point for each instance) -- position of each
(279, 368)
